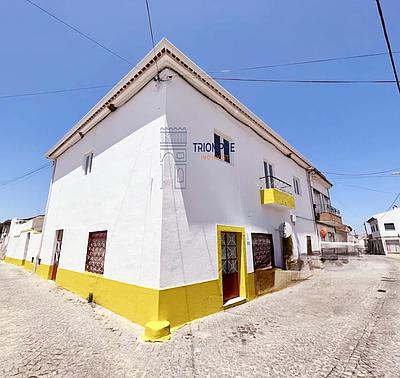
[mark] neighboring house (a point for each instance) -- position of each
(4, 231)
(329, 221)
(24, 240)
(169, 199)
(385, 232)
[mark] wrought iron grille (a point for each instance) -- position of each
(270, 182)
(96, 251)
(229, 253)
(262, 251)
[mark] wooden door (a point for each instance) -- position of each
(230, 265)
(57, 251)
(263, 261)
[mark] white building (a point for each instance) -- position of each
(146, 217)
(385, 232)
(24, 238)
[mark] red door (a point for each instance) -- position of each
(57, 251)
(230, 266)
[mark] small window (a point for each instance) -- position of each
(227, 157)
(269, 175)
(87, 163)
(389, 226)
(96, 252)
(217, 146)
(222, 148)
(296, 185)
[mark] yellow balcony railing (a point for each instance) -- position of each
(276, 192)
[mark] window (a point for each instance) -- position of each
(96, 252)
(227, 157)
(296, 185)
(372, 228)
(217, 146)
(222, 145)
(269, 175)
(389, 226)
(87, 163)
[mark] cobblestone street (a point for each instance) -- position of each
(345, 321)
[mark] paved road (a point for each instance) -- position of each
(343, 322)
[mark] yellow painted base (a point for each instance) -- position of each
(43, 271)
(276, 197)
(29, 266)
(157, 331)
(13, 261)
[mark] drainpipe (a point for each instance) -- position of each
(45, 217)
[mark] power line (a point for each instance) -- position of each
(152, 35)
(25, 175)
(79, 32)
(364, 188)
(304, 81)
(27, 94)
(391, 206)
(378, 4)
(361, 174)
(251, 68)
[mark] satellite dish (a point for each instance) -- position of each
(285, 229)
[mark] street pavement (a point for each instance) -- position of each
(343, 322)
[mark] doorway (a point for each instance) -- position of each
(309, 245)
(57, 251)
(27, 240)
(230, 265)
(263, 261)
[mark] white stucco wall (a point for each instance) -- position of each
(18, 237)
(222, 193)
(121, 195)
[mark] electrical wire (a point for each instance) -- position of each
(378, 4)
(25, 175)
(391, 206)
(361, 174)
(79, 32)
(251, 68)
(152, 35)
(40, 93)
(304, 81)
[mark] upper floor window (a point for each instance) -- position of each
(269, 175)
(389, 226)
(87, 163)
(296, 185)
(222, 148)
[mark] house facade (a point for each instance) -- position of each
(170, 200)
(385, 232)
(4, 237)
(24, 238)
(329, 221)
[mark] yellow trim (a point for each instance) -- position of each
(244, 291)
(28, 266)
(43, 271)
(12, 260)
(276, 197)
(157, 331)
(136, 303)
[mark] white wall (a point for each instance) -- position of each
(222, 193)
(121, 195)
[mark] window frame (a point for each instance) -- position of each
(389, 229)
(270, 166)
(296, 180)
(87, 167)
(220, 155)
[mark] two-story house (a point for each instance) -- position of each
(170, 200)
(329, 221)
(385, 232)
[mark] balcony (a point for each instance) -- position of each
(275, 192)
(328, 214)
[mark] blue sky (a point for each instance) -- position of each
(346, 128)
